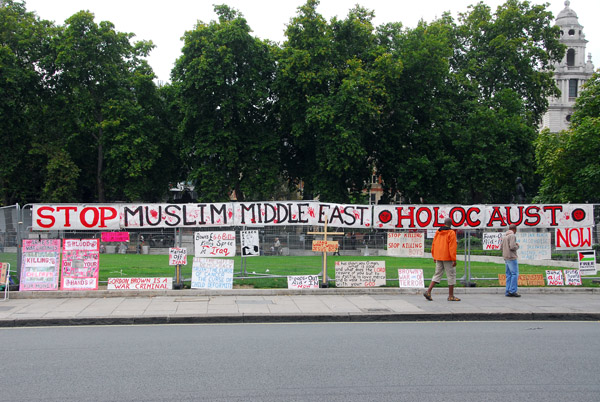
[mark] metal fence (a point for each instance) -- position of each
(16, 225)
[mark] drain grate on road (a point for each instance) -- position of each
(376, 310)
(6, 308)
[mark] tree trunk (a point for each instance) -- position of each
(99, 168)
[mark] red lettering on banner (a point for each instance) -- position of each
(553, 209)
(40, 213)
(418, 217)
(67, 214)
(471, 222)
(508, 218)
(574, 238)
(463, 216)
(496, 216)
(535, 214)
(104, 217)
(411, 216)
(82, 217)
(436, 214)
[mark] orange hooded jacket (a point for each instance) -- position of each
(444, 245)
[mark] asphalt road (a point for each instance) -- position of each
(418, 361)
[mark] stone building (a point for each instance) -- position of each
(571, 73)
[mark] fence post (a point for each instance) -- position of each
(19, 241)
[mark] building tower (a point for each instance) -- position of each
(570, 74)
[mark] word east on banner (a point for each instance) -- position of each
(311, 213)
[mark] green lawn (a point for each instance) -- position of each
(140, 265)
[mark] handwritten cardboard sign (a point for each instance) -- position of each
(109, 237)
(572, 277)
(554, 278)
(177, 256)
(587, 262)
(80, 264)
(303, 282)
(214, 244)
(525, 280)
(349, 274)
(492, 240)
(405, 244)
(249, 243)
(534, 245)
(325, 246)
(411, 278)
(40, 265)
(3, 273)
(212, 273)
(139, 283)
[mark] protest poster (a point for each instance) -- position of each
(40, 265)
(114, 237)
(214, 244)
(405, 244)
(349, 274)
(249, 243)
(80, 264)
(139, 283)
(587, 262)
(554, 278)
(411, 278)
(534, 245)
(431, 233)
(492, 240)
(212, 273)
(177, 256)
(573, 238)
(329, 246)
(303, 282)
(524, 280)
(3, 273)
(572, 277)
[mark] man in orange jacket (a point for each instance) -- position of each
(443, 251)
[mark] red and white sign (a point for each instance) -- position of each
(405, 244)
(177, 256)
(76, 217)
(572, 277)
(214, 244)
(554, 278)
(303, 282)
(492, 240)
(80, 264)
(139, 283)
(574, 238)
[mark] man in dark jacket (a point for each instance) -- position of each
(443, 251)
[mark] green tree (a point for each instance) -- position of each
(23, 46)
(330, 88)
(224, 87)
(568, 161)
(113, 128)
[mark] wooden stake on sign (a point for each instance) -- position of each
(325, 233)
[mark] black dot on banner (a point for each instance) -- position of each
(578, 215)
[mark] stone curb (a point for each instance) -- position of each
(299, 318)
(286, 292)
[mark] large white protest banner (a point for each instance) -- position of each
(214, 244)
(405, 244)
(534, 245)
(312, 213)
(350, 274)
(212, 273)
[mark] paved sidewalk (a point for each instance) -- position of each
(281, 305)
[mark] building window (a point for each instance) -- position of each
(568, 117)
(571, 57)
(573, 88)
(571, 32)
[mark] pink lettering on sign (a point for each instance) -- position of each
(114, 236)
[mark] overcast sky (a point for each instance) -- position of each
(164, 22)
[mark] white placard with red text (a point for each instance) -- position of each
(214, 244)
(303, 282)
(554, 278)
(572, 277)
(177, 256)
(139, 284)
(405, 244)
(574, 238)
(80, 264)
(492, 240)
